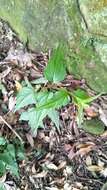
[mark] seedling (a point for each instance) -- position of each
(45, 101)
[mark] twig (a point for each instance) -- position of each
(9, 126)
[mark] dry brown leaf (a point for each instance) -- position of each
(62, 165)
(67, 147)
(95, 168)
(30, 139)
(103, 116)
(33, 169)
(18, 86)
(71, 154)
(85, 145)
(51, 166)
(104, 134)
(84, 151)
(88, 161)
(12, 102)
(90, 112)
(40, 175)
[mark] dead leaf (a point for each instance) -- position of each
(85, 145)
(84, 151)
(30, 139)
(104, 134)
(62, 165)
(40, 175)
(12, 102)
(33, 169)
(67, 147)
(88, 161)
(95, 168)
(90, 112)
(18, 86)
(51, 166)
(103, 116)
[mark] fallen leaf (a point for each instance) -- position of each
(62, 165)
(104, 172)
(90, 112)
(18, 86)
(88, 161)
(104, 134)
(95, 168)
(30, 139)
(40, 175)
(12, 102)
(103, 116)
(85, 145)
(67, 147)
(51, 166)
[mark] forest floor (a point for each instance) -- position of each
(67, 160)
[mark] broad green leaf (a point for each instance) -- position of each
(34, 118)
(10, 163)
(94, 126)
(2, 168)
(90, 99)
(55, 71)
(60, 98)
(82, 97)
(41, 80)
(2, 141)
(54, 116)
(25, 97)
(79, 93)
(43, 96)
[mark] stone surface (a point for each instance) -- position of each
(80, 23)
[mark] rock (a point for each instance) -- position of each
(82, 24)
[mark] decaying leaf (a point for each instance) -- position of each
(95, 168)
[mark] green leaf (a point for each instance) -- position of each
(11, 164)
(2, 168)
(90, 99)
(60, 98)
(94, 126)
(55, 70)
(34, 118)
(8, 158)
(82, 94)
(82, 97)
(25, 97)
(54, 116)
(41, 80)
(43, 96)
(2, 141)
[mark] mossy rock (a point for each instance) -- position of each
(44, 23)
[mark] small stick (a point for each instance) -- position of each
(9, 126)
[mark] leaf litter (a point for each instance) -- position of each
(69, 159)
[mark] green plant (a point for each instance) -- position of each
(45, 101)
(8, 154)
